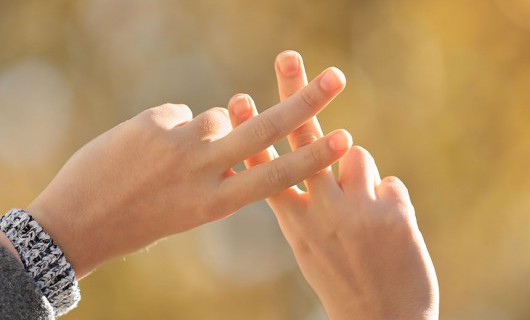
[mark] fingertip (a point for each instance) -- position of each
(240, 105)
(340, 140)
(289, 63)
(250, 101)
(332, 79)
(236, 98)
(289, 52)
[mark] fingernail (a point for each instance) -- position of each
(289, 63)
(332, 80)
(241, 106)
(340, 141)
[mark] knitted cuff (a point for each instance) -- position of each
(42, 259)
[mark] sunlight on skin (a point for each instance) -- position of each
(355, 237)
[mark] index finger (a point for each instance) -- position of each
(263, 130)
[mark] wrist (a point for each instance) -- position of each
(42, 259)
(88, 232)
(67, 234)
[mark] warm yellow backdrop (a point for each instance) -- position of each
(438, 91)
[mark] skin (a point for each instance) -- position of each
(164, 172)
(354, 237)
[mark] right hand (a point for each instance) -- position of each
(163, 172)
(355, 238)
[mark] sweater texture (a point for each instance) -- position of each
(20, 298)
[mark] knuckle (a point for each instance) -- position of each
(183, 106)
(398, 190)
(398, 218)
(277, 175)
(316, 156)
(176, 108)
(362, 153)
(308, 99)
(392, 180)
(165, 106)
(163, 110)
(213, 119)
(149, 114)
(265, 130)
(151, 120)
(162, 116)
(305, 138)
(206, 121)
(219, 110)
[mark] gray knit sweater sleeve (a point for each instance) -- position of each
(20, 299)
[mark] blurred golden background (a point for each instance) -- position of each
(438, 91)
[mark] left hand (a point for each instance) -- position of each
(164, 172)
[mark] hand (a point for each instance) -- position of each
(356, 238)
(163, 172)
